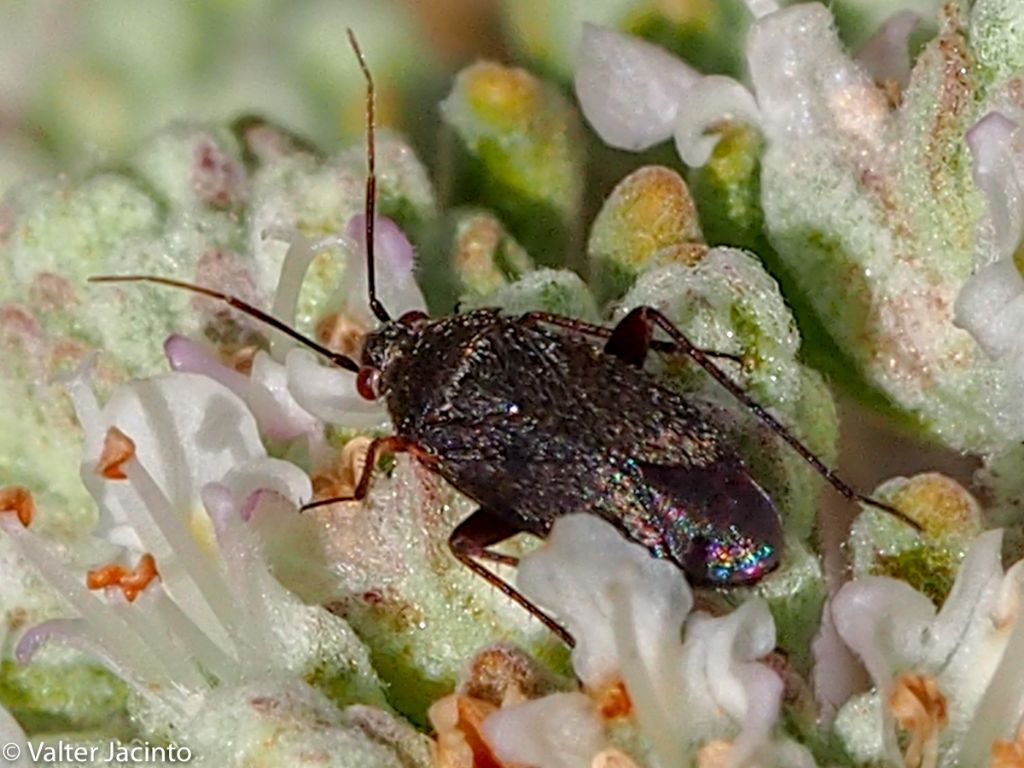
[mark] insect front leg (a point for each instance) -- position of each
(469, 543)
(379, 445)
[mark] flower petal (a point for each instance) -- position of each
(995, 146)
(188, 430)
(330, 393)
(990, 306)
(629, 90)
(711, 101)
(886, 54)
(300, 254)
(564, 576)
(394, 267)
(562, 730)
(271, 399)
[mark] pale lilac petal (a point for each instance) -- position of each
(995, 145)
(990, 306)
(394, 268)
(279, 414)
(189, 356)
(630, 91)
(886, 54)
(711, 101)
(330, 393)
(558, 731)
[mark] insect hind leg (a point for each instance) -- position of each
(637, 328)
(630, 340)
(469, 543)
(698, 355)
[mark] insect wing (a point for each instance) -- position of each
(718, 523)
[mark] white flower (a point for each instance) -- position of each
(991, 303)
(177, 468)
(691, 679)
(290, 393)
(636, 95)
(960, 668)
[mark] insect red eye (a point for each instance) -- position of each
(412, 317)
(366, 383)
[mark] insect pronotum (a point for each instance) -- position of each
(531, 419)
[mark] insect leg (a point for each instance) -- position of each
(386, 444)
(630, 340)
(652, 315)
(470, 541)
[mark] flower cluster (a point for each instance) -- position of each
(862, 213)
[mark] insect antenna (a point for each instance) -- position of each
(342, 361)
(371, 183)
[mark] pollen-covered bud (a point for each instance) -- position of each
(648, 220)
(522, 155)
(882, 545)
(473, 255)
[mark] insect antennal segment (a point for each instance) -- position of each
(342, 361)
(371, 183)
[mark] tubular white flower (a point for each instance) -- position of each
(692, 678)
(991, 303)
(631, 91)
(214, 615)
(971, 648)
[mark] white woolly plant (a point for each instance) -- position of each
(865, 187)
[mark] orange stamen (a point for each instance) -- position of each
(919, 708)
(130, 582)
(458, 721)
(18, 499)
(612, 700)
(1008, 754)
(117, 449)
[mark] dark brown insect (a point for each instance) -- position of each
(539, 416)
